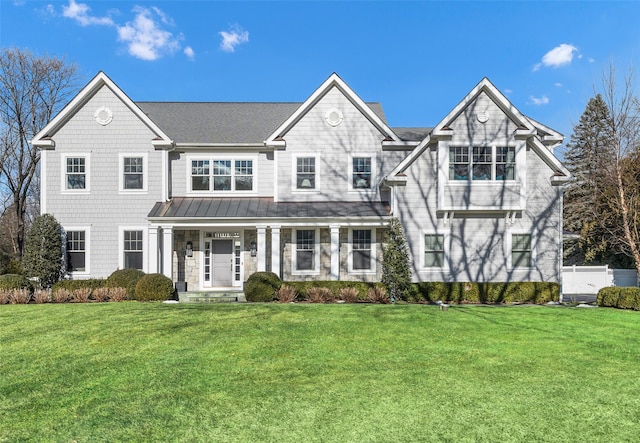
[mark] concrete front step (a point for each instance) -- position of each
(211, 297)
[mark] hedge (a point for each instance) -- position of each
(125, 278)
(621, 297)
(303, 287)
(72, 285)
(15, 281)
(466, 292)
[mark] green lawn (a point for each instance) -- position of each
(327, 373)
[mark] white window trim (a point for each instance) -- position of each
(294, 174)
(145, 245)
(494, 150)
(87, 173)
(316, 252)
(372, 267)
(211, 158)
(145, 173)
(446, 233)
(81, 275)
(509, 246)
(372, 189)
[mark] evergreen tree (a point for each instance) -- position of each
(43, 251)
(396, 271)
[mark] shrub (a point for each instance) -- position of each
(262, 287)
(154, 287)
(319, 295)
(396, 268)
(80, 295)
(42, 296)
(349, 295)
(4, 296)
(61, 295)
(43, 251)
(619, 297)
(71, 285)
(125, 278)
(461, 292)
(287, 294)
(335, 286)
(19, 296)
(378, 294)
(15, 281)
(101, 294)
(117, 294)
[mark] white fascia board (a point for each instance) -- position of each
(404, 164)
(333, 80)
(552, 161)
(222, 146)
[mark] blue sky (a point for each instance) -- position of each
(418, 58)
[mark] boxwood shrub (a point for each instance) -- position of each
(619, 297)
(466, 292)
(303, 287)
(262, 287)
(15, 281)
(154, 287)
(125, 278)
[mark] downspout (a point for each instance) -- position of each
(561, 237)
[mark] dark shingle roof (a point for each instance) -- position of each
(412, 134)
(263, 208)
(210, 122)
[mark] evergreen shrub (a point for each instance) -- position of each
(71, 285)
(466, 292)
(262, 287)
(125, 278)
(15, 281)
(621, 297)
(43, 251)
(154, 287)
(303, 287)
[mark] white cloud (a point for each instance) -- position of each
(80, 13)
(188, 51)
(559, 56)
(538, 101)
(558, 85)
(231, 39)
(145, 38)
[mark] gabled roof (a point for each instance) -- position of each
(220, 123)
(333, 81)
(44, 138)
(527, 128)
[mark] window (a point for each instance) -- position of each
(521, 251)
(361, 244)
(306, 173)
(434, 251)
(305, 250)
(133, 178)
(362, 172)
(226, 175)
(76, 251)
(76, 173)
(133, 248)
(478, 163)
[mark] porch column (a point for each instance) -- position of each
(335, 252)
(262, 248)
(167, 251)
(153, 250)
(275, 250)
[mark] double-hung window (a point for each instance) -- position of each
(521, 253)
(76, 173)
(482, 163)
(361, 172)
(132, 173)
(361, 249)
(133, 249)
(433, 251)
(76, 251)
(306, 173)
(305, 250)
(222, 175)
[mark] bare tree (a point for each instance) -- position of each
(32, 89)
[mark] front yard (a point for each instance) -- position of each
(332, 373)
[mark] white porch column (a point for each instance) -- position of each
(167, 251)
(335, 252)
(262, 248)
(275, 250)
(153, 249)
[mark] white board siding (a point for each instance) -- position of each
(103, 208)
(334, 146)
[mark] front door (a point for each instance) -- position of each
(222, 262)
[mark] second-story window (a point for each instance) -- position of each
(306, 173)
(76, 173)
(482, 163)
(362, 172)
(133, 173)
(224, 175)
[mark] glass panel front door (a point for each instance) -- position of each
(222, 263)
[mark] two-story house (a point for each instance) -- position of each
(208, 193)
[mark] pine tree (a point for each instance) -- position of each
(43, 251)
(396, 271)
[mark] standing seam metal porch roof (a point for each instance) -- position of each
(262, 208)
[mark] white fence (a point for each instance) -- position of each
(588, 280)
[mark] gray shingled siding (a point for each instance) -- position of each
(104, 209)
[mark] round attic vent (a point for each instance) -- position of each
(333, 117)
(103, 115)
(482, 116)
